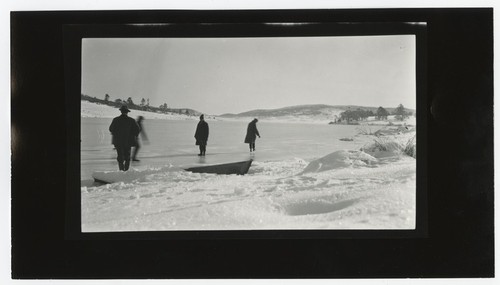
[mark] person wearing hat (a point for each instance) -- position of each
(124, 131)
(252, 134)
(201, 135)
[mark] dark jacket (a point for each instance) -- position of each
(201, 134)
(124, 130)
(252, 132)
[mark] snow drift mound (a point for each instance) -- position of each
(340, 159)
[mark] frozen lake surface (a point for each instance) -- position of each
(171, 142)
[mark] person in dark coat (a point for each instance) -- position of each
(201, 135)
(252, 134)
(124, 131)
(144, 137)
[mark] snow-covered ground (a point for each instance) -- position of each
(344, 192)
(349, 188)
(93, 110)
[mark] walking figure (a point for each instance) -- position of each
(144, 137)
(201, 135)
(252, 134)
(124, 131)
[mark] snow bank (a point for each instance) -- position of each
(401, 145)
(340, 159)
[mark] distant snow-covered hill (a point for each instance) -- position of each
(302, 110)
(318, 113)
(313, 111)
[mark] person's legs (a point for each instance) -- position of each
(136, 150)
(252, 146)
(126, 157)
(204, 149)
(120, 157)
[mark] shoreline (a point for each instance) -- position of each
(91, 110)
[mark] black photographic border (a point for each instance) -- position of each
(451, 240)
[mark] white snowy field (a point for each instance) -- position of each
(353, 194)
(367, 183)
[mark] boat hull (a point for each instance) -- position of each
(240, 168)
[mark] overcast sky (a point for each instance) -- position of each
(233, 75)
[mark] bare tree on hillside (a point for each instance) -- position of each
(382, 113)
(129, 101)
(401, 113)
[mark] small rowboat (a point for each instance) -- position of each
(239, 168)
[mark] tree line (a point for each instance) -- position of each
(143, 105)
(359, 114)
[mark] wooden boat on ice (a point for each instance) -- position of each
(239, 168)
(101, 181)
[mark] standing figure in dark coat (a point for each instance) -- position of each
(124, 131)
(252, 134)
(201, 135)
(144, 137)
